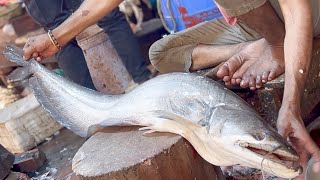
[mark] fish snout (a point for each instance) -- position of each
(281, 146)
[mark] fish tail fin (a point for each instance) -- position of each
(15, 55)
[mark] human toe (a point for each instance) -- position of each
(265, 77)
(223, 71)
(252, 83)
(238, 80)
(272, 76)
(259, 83)
(244, 83)
(233, 81)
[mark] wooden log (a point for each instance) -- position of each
(107, 71)
(6, 162)
(124, 153)
(29, 161)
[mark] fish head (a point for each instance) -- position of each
(249, 141)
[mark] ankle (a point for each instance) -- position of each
(239, 47)
(196, 52)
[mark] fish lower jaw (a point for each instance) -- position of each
(276, 164)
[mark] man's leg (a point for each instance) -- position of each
(202, 46)
(260, 16)
(71, 60)
(126, 44)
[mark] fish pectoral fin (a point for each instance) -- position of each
(162, 121)
(177, 118)
(166, 125)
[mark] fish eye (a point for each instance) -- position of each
(259, 136)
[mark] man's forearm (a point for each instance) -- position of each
(297, 49)
(90, 12)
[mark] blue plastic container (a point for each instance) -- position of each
(187, 13)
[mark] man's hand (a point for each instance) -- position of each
(291, 127)
(39, 47)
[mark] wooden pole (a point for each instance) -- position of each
(108, 73)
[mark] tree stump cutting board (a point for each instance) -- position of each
(125, 153)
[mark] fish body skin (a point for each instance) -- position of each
(219, 124)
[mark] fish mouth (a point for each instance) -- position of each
(278, 155)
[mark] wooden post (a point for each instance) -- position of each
(108, 73)
(124, 153)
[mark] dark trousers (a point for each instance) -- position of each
(51, 13)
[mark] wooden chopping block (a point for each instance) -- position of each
(124, 153)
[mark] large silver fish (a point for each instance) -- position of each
(222, 128)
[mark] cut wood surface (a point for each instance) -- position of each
(124, 153)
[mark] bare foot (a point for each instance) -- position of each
(255, 64)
